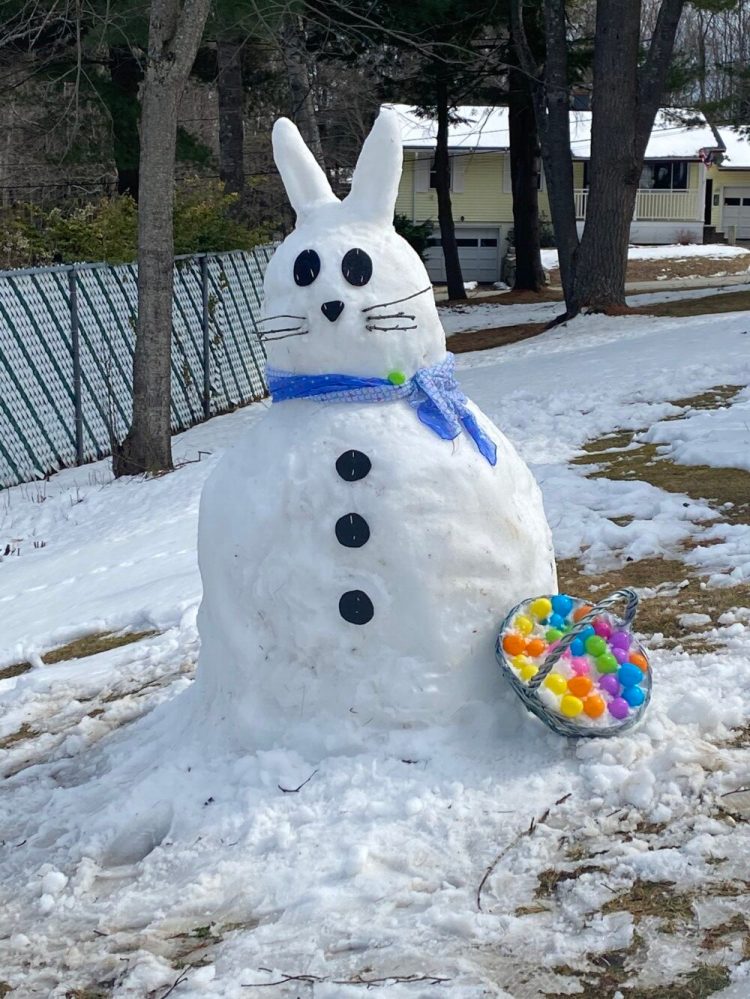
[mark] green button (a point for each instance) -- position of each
(396, 377)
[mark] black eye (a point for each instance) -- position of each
(356, 267)
(306, 267)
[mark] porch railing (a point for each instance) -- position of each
(654, 205)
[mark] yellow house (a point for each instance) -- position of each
(672, 204)
(728, 186)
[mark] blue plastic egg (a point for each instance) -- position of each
(629, 675)
(577, 648)
(557, 621)
(634, 696)
(562, 605)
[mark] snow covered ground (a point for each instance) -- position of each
(128, 867)
(712, 251)
(464, 318)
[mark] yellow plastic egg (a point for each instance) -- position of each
(571, 706)
(541, 608)
(523, 624)
(526, 672)
(557, 683)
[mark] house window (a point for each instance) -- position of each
(657, 175)
(433, 174)
(664, 175)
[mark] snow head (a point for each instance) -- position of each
(344, 292)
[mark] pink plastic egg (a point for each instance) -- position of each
(602, 627)
(580, 665)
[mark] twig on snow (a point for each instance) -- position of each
(293, 790)
(535, 821)
(182, 977)
(357, 980)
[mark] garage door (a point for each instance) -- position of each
(737, 210)
(478, 251)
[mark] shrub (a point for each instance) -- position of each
(416, 234)
(205, 221)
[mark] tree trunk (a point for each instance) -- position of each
(231, 116)
(624, 107)
(614, 169)
(551, 96)
(453, 276)
(524, 171)
(175, 30)
(299, 74)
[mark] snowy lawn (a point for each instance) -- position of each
(522, 867)
(662, 263)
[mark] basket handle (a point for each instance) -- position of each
(631, 606)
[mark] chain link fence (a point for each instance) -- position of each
(67, 336)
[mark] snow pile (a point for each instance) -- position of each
(720, 438)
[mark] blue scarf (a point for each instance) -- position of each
(433, 392)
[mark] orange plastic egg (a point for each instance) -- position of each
(638, 660)
(594, 705)
(582, 611)
(514, 645)
(580, 685)
(535, 647)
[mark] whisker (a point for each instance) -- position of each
(391, 329)
(382, 305)
(282, 315)
(281, 329)
(268, 336)
(393, 315)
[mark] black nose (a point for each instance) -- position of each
(332, 310)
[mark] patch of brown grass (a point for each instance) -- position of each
(677, 267)
(81, 648)
(657, 899)
(498, 336)
(24, 732)
(506, 298)
(732, 301)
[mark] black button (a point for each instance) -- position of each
(356, 607)
(352, 530)
(353, 465)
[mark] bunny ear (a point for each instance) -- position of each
(378, 171)
(304, 180)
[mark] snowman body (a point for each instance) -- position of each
(356, 564)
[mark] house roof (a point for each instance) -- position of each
(486, 128)
(737, 156)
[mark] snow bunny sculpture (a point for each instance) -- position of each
(360, 544)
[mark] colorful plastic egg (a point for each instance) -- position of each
(581, 686)
(595, 646)
(577, 648)
(580, 665)
(556, 682)
(542, 607)
(553, 635)
(618, 707)
(527, 672)
(594, 706)
(602, 627)
(582, 611)
(562, 604)
(556, 621)
(634, 696)
(610, 684)
(514, 644)
(620, 640)
(523, 624)
(571, 706)
(629, 675)
(535, 647)
(638, 660)
(606, 663)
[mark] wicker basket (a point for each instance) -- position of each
(529, 690)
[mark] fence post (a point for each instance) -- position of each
(75, 343)
(206, 341)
